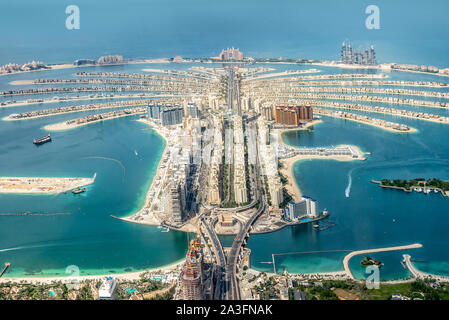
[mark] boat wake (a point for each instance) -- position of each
(348, 187)
(35, 214)
(26, 247)
(110, 159)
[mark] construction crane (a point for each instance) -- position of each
(7, 265)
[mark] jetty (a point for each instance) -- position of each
(419, 274)
(359, 252)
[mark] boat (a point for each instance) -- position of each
(426, 191)
(78, 190)
(42, 140)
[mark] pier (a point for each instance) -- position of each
(359, 252)
(419, 274)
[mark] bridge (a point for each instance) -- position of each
(220, 256)
(233, 290)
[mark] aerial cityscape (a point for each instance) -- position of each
(225, 176)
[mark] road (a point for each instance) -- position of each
(219, 254)
(233, 290)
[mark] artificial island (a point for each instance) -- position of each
(226, 169)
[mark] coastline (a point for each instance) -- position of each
(346, 273)
(125, 276)
(152, 221)
(333, 115)
(9, 118)
(63, 126)
(292, 186)
(59, 66)
(378, 67)
(42, 185)
(288, 163)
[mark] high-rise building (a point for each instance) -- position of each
(154, 111)
(192, 275)
(306, 207)
(305, 113)
(108, 289)
(176, 207)
(171, 116)
(192, 110)
(230, 54)
(293, 115)
(364, 57)
(267, 112)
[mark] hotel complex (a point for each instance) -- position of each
(350, 56)
(293, 115)
(225, 169)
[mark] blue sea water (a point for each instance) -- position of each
(89, 238)
(410, 31)
(370, 217)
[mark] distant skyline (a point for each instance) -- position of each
(411, 32)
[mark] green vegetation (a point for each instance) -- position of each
(419, 289)
(268, 195)
(84, 290)
(267, 289)
(324, 290)
(418, 182)
(284, 180)
(368, 261)
(287, 198)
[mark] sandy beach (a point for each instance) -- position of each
(144, 215)
(287, 168)
(62, 126)
(123, 276)
(103, 106)
(40, 185)
(334, 115)
(304, 127)
(72, 66)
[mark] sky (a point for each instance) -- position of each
(410, 31)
